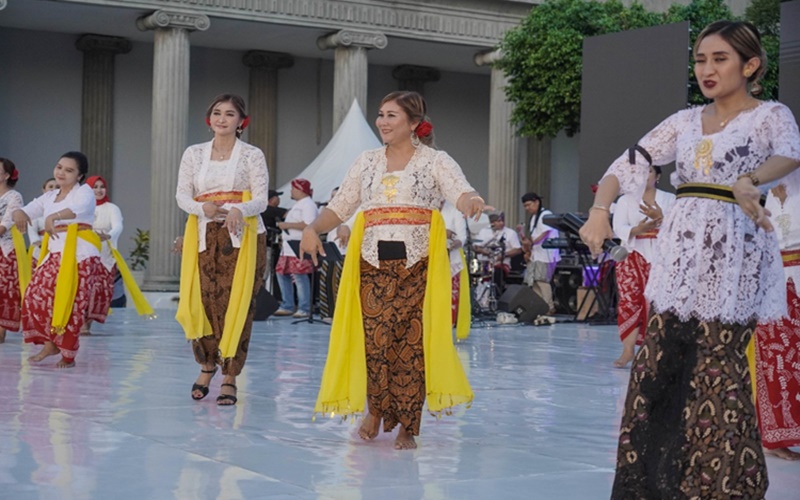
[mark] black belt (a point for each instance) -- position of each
(391, 250)
(710, 191)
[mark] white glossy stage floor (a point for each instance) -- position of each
(121, 425)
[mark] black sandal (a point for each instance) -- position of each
(203, 388)
(227, 397)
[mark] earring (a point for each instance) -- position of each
(748, 73)
(239, 130)
(414, 139)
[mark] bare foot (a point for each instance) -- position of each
(49, 349)
(63, 363)
(404, 441)
(200, 387)
(86, 329)
(370, 427)
(784, 453)
(624, 358)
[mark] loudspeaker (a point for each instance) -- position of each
(566, 281)
(521, 301)
(266, 305)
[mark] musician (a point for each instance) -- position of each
(497, 244)
(541, 262)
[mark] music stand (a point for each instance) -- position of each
(332, 254)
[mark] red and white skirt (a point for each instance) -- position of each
(10, 307)
(778, 377)
(37, 308)
(632, 275)
(102, 291)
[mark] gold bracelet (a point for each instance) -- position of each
(752, 176)
(477, 197)
(599, 207)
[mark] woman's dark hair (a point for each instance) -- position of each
(414, 106)
(745, 40)
(10, 168)
(44, 185)
(81, 160)
(235, 100)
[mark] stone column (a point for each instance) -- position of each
(350, 67)
(97, 113)
(263, 105)
(504, 174)
(3, 4)
(414, 78)
(169, 137)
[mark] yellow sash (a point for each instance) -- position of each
(343, 387)
(191, 314)
(67, 279)
(24, 262)
(141, 304)
(464, 317)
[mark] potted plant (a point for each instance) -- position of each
(140, 254)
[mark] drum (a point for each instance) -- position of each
(474, 266)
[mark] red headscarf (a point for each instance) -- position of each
(91, 181)
(303, 185)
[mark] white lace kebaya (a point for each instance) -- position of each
(245, 170)
(714, 264)
(428, 179)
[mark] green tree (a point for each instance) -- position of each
(699, 13)
(542, 57)
(766, 16)
(543, 60)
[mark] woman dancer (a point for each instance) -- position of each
(391, 337)
(636, 223)
(777, 346)
(57, 297)
(689, 427)
(108, 226)
(10, 295)
(222, 185)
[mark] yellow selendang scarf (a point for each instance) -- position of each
(67, 279)
(24, 261)
(141, 304)
(464, 318)
(191, 314)
(344, 380)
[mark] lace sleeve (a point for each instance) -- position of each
(258, 178)
(116, 223)
(660, 143)
(450, 178)
(14, 203)
(348, 198)
(781, 133)
(185, 191)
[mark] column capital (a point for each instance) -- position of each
(406, 72)
(488, 57)
(267, 59)
(102, 43)
(173, 19)
(353, 38)
(3, 4)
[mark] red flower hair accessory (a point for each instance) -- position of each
(14, 175)
(424, 129)
(245, 123)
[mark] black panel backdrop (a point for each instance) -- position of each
(790, 56)
(631, 82)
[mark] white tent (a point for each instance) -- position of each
(329, 168)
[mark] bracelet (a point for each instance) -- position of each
(599, 207)
(752, 176)
(477, 197)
